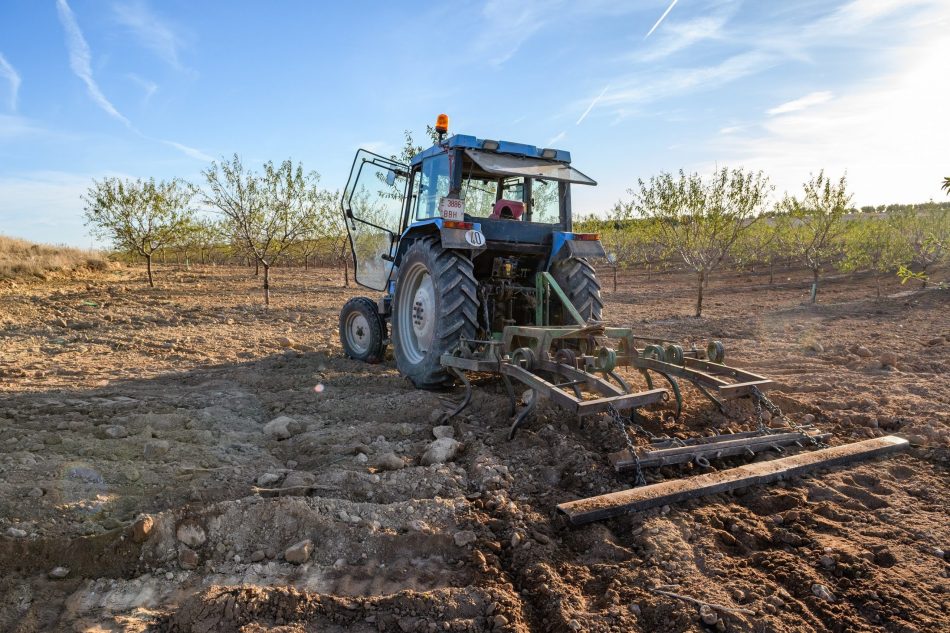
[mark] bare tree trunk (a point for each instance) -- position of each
(699, 295)
(266, 285)
(814, 286)
(615, 279)
(148, 267)
(257, 267)
(346, 272)
(771, 273)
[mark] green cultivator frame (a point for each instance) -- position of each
(576, 367)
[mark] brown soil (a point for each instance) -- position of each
(131, 423)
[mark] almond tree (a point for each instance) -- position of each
(816, 223)
(700, 220)
(139, 217)
(268, 212)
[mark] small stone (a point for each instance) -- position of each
(443, 431)
(808, 418)
(285, 342)
(187, 558)
(237, 558)
(362, 458)
(708, 615)
(257, 556)
(268, 479)
(516, 539)
(574, 625)
(299, 553)
(827, 561)
(142, 528)
(464, 538)
(888, 359)
(389, 461)
(634, 608)
(500, 621)
(339, 564)
(16, 532)
(817, 347)
(35, 492)
(863, 352)
(191, 534)
(822, 592)
(59, 572)
(436, 415)
(155, 449)
(115, 432)
(297, 483)
(440, 451)
(278, 428)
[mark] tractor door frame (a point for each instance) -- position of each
(363, 157)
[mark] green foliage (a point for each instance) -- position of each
(815, 226)
(701, 220)
(268, 212)
(946, 185)
(906, 274)
(139, 217)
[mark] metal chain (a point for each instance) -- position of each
(762, 400)
(620, 421)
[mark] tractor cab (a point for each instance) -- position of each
(476, 194)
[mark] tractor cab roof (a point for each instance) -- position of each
(465, 141)
(505, 158)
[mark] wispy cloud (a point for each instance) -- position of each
(16, 126)
(507, 26)
(592, 104)
(554, 139)
(151, 31)
(882, 138)
(80, 60)
(662, 17)
(148, 87)
(809, 100)
(8, 72)
(189, 151)
(679, 36)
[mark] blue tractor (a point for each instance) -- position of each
(456, 242)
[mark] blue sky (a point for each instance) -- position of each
(143, 88)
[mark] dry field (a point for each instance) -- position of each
(144, 487)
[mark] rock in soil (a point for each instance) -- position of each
(299, 553)
(440, 451)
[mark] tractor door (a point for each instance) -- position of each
(373, 204)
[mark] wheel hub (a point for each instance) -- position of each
(423, 313)
(359, 332)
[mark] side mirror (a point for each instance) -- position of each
(390, 177)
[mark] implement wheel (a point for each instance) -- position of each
(578, 280)
(434, 306)
(362, 331)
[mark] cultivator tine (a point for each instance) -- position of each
(466, 398)
(716, 401)
(512, 401)
(528, 410)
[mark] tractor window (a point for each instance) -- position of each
(544, 202)
(479, 196)
(433, 186)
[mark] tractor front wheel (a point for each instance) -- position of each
(435, 304)
(362, 331)
(578, 280)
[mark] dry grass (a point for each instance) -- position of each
(23, 259)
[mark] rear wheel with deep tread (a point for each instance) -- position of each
(435, 305)
(362, 331)
(578, 279)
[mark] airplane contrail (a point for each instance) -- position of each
(662, 17)
(592, 104)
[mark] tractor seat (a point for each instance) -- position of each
(507, 210)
